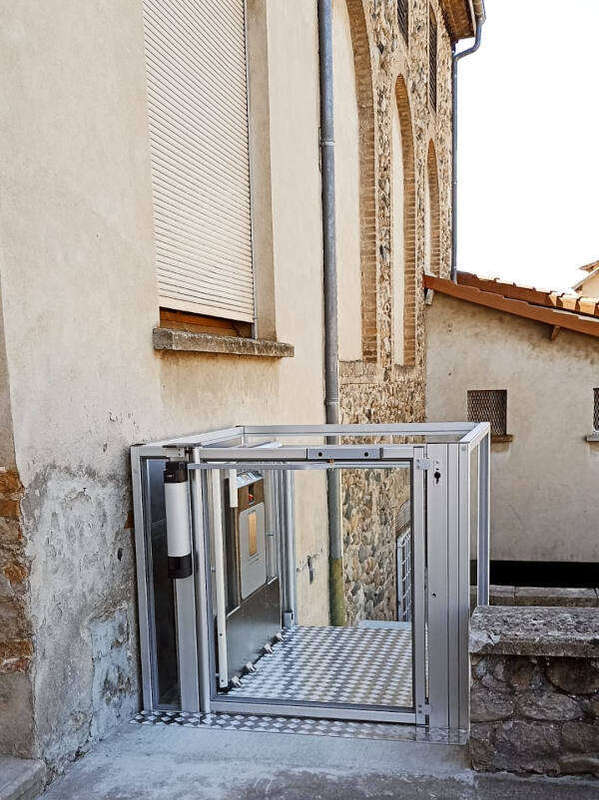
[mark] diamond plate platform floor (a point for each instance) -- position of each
(355, 666)
(263, 723)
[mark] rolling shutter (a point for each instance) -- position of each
(199, 141)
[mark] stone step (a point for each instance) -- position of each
(21, 778)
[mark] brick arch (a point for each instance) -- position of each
(366, 122)
(409, 220)
(432, 176)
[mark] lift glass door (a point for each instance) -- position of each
(297, 625)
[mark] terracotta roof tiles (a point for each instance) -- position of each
(560, 310)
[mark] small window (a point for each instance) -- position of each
(432, 59)
(489, 405)
(403, 17)
(596, 410)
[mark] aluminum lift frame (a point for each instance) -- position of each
(441, 466)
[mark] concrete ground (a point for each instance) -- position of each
(160, 762)
(21, 778)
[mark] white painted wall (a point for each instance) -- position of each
(544, 484)
(398, 246)
(347, 179)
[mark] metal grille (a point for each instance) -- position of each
(596, 409)
(489, 405)
(432, 59)
(404, 576)
(403, 16)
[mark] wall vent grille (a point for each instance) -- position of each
(596, 409)
(489, 405)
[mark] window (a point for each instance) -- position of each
(432, 59)
(489, 405)
(596, 410)
(403, 7)
(199, 143)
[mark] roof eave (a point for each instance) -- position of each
(555, 317)
(460, 16)
(588, 276)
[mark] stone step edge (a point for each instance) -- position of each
(26, 781)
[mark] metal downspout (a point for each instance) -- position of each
(454, 137)
(331, 339)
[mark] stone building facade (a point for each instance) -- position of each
(388, 381)
(92, 362)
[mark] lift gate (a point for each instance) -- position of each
(234, 575)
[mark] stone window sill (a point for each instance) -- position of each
(593, 437)
(503, 438)
(191, 342)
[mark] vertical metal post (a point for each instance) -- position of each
(216, 517)
(453, 585)
(142, 581)
(288, 537)
(178, 529)
(464, 587)
(437, 594)
(484, 529)
(331, 344)
(455, 58)
(201, 580)
(418, 586)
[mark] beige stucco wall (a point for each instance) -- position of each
(590, 287)
(544, 499)
(80, 302)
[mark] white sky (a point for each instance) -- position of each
(528, 169)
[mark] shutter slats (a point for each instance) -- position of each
(180, 172)
(181, 282)
(165, 45)
(171, 125)
(229, 249)
(206, 40)
(178, 264)
(197, 112)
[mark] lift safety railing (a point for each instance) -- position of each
(451, 465)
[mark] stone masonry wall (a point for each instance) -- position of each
(535, 690)
(376, 389)
(16, 645)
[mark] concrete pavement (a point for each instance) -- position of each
(177, 763)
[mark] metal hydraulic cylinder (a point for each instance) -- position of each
(178, 527)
